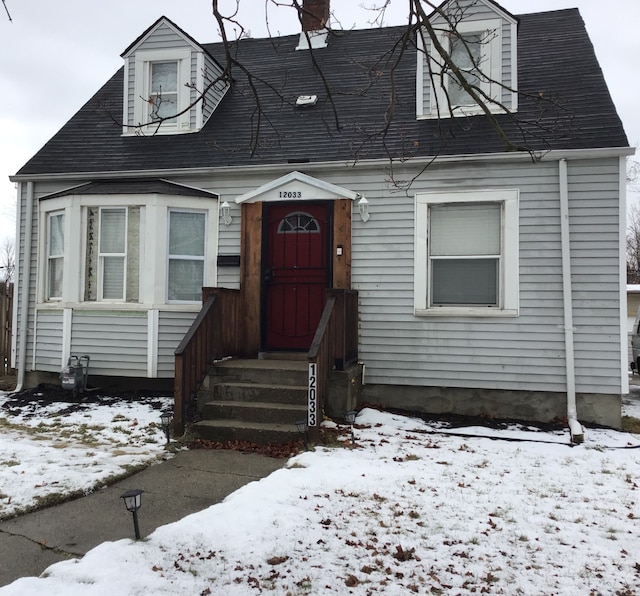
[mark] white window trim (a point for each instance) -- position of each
(171, 210)
(142, 72)
(153, 247)
(509, 269)
(438, 105)
(101, 256)
(48, 257)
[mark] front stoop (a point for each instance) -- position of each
(253, 400)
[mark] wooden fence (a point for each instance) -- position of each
(6, 317)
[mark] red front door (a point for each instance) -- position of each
(295, 274)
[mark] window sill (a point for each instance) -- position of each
(119, 306)
(153, 131)
(458, 311)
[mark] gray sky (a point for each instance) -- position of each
(55, 55)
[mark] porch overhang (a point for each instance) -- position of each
(297, 186)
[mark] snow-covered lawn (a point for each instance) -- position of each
(49, 450)
(412, 507)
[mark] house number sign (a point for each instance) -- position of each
(290, 194)
(313, 395)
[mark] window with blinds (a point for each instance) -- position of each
(185, 276)
(464, 254)
(112, 254)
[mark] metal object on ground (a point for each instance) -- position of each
(74, 375)
(133, 501)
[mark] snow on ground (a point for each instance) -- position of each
(62, 448)
(411, 507)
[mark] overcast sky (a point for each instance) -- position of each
(55, 55)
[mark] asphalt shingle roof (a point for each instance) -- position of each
(556, 58)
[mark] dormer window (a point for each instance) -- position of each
(467, 54)
(163, 95)
(172, 85)
(482, 44)
(162, 91)
(476, 54)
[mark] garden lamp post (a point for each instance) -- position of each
(350, 417)
(133, 501)
(301, 425)
(165, 419)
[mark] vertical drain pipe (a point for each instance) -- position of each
(24, 297)
(575, 428)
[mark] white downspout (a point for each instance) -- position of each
(575, 428)
(24, 297)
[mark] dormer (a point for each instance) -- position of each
(166, 72)
(481, 39)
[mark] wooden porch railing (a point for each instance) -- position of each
(215, 333)
(6, 318)
(335, 344)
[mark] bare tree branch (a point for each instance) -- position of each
(421, 35)
(6, 9)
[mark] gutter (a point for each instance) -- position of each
(515, 156)
(575, 428)
(24, 297)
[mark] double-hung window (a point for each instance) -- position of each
(475, 47)
(187, 242)
(467, 53)
(55, 255)
(112, 254)
(466, 253)
(163, 92)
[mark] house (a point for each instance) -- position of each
(486, 246)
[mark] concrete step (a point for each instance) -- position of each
(254, 411)
(237, 430)
(252, 392)
(275, 372)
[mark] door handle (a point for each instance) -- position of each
(268, 275)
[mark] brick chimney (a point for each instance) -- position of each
(315, 14)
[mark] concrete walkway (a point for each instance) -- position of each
(189, 482)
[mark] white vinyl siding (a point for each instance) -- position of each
(116, 342)
(48, 345)
(187, 239)
(172, 328)
(526, 352)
